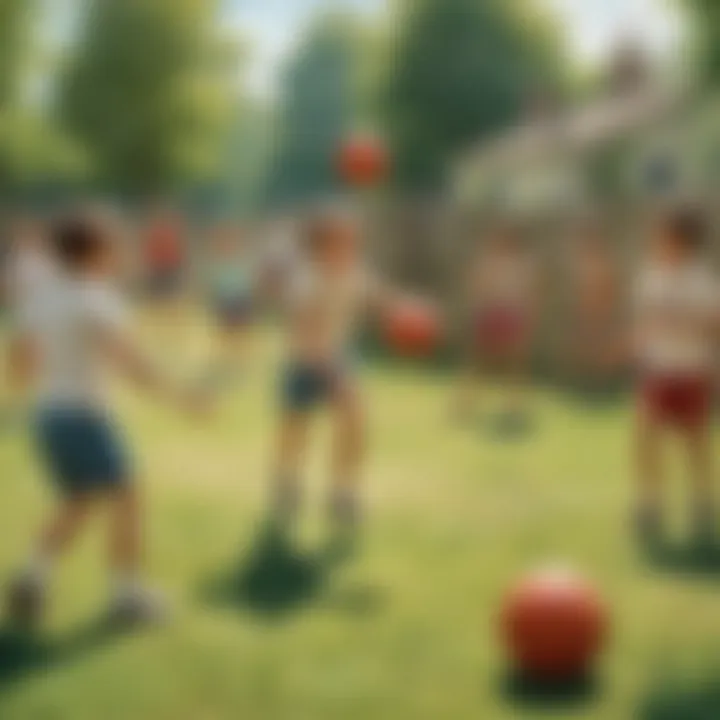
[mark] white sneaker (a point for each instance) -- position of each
(345, 510)
(142, 606)
(286, 503)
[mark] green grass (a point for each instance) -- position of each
(407, 628)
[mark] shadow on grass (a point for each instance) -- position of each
(596, 395)
(672, 701)
(689, 560)
(533, 693)
(510, 426)
(276, 578)
(23, 654)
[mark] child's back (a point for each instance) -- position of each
(68, 322)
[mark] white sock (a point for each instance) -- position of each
(345, 501)
(37, 569)
(703, 512)
(287, 489)
(125, 587)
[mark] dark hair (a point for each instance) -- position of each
(75, 239)
(319, 225)
(687, 226)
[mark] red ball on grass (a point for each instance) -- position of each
(554, 625)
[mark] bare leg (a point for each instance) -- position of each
(349, 439)
(234, 349)
(649, 473)
(26, 597)
(699, 444)
(348, 451)
(133, 603)
(291, 446)
(466, 393)
(125, 534)
(516, 383)
(62, 528)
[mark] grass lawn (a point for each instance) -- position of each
(403, 630)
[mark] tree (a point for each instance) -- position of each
(460, 70)
(704, 17)
(148, 91)
(15, 33)
(32, 151)
(246, 157)
(317, 109)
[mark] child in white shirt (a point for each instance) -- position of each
(76, 328)
(677, 307)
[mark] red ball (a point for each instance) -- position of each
(413, 329)
(362, 161)
(554, 624)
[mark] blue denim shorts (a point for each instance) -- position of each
(164, 282)
(233, 312)
(82, 450)
(307, 385)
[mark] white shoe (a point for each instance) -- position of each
(140, 607)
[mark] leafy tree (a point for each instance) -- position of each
(317, 108)
(32, 151)
(149, 90)
(704, 17)
(246, 157)
(460, 70)
(15, 34)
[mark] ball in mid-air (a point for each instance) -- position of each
(362, 161)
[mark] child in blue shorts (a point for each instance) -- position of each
(74, 327)
(230, 281)
(328, 296)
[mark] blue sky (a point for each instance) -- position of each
(592, 26)
(273, 27)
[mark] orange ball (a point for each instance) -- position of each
(554, 625)
(413, 329)
(362, 161)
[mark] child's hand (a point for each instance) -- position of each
(198, 402)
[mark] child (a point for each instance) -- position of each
(502, 298)
(329, 295)
(74, 327)
(676, 313)
(279, 258)
(594, 305)
(230, 279)
(164, 256)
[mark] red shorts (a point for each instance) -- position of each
(683, 401)
(501, 331)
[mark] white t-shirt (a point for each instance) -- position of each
(29, 273)
(325, 310)
(67, 324)
(675, 309)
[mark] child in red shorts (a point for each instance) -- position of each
(502, 299)
(675, 339)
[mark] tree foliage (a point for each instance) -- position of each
(460, 70)
(318, 100)
(704, 17)
(148, 91)
(15, 33)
